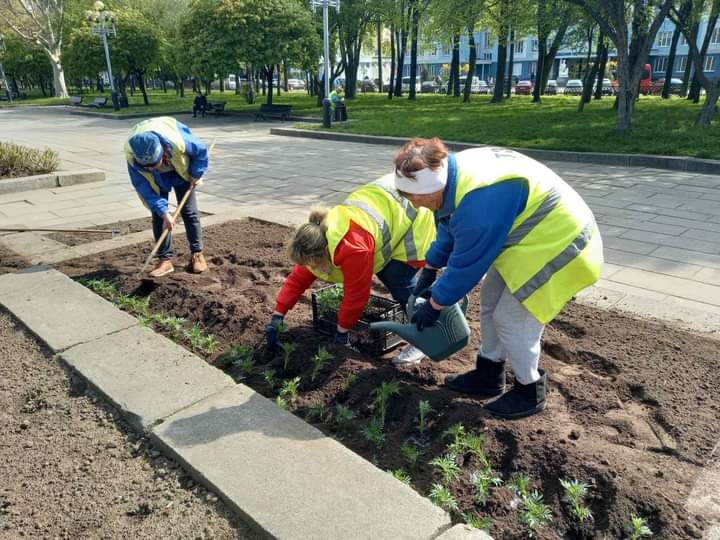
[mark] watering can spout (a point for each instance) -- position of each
(447, 336)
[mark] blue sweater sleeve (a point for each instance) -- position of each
(439, 252)
(155, 202)
(196, 150)
(480, 226)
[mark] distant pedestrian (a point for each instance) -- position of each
(199, 105)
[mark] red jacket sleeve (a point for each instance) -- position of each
(295, 285)
(355, 256)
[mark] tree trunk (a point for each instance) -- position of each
(269, 72)
(472, 60)
(508, 87)
(500, 70)
(402, 44)
(222, 84)
(143, 89)
(591, 75)
(379, 55)
(414, 51)
(695, 86)
(538, 89)
(627, 92)
(285, 76)
(454, 65)
(278, 84)
(710, 106)
(601, 69)
(391, 86)
(671, 62)
(58, 74)
(42, 86)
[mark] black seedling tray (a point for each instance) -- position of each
(362, 337)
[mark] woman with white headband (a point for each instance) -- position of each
(373, 231)
(505, 216)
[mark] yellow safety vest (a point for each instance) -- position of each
(401, 231)
(165, 126)
(554, 247)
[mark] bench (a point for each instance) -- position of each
(282, 112)
(76, 101)
(218, 107)
(99, 102)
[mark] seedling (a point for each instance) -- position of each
(282, 328)
(319, 360)
(441, 496)
(174, 325)
(520, 485)
(424, 410)
(287, 350)
(289, 390)
(269, 376)
(208, 344)
(343, 417)
(535, 514)
(317, 412)
(194, 335)
(105, 288)
(639, 528)
(347, 383)
(575, 493)
(382, 397)
(410, 452)
(447, 466)
(281, 402)
(236, 356)
(133, 304)
(373, 432)
(402, 476)
(145, 322)
(482, 481)
(457, 432)
(477, 522)
(329, 299)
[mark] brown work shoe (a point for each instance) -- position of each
(197, 263)
(163, 268)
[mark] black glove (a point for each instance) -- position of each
(271, 332)
(425, 280)
(425, 316)
(342, 338)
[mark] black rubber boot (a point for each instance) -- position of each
(486, 380)
(522, 400)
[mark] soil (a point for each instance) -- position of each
(72, 468)
(632, 404)
(11, 261)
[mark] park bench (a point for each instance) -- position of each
(76, 101)
(282, 112)
(99, 102)
(218, 107)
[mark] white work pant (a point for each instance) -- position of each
(509, 331)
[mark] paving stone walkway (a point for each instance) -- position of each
(660, 228)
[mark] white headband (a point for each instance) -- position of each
(426, 180)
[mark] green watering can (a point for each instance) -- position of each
(447, 336)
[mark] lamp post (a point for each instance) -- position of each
(8, 90)
(326, 53)
(102, 23)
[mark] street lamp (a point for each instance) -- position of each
(326, 52)
(102, 23)
(8, 90)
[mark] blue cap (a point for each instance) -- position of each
(146, 147)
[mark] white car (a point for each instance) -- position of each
(574, 87)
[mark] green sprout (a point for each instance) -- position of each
(103, 287)
(482, 480)
(281, 402)
(373, 432)
(520, 485)
(144, 321)
(639, 528)
(477, 522)
(410, 452)
(236, 356)
(441, 496)
(287, 350)
(329, 300)
(575, 493)
(458, 434)
(289, 390)
(208, 344)
(317, 412)
(269, 376)
(424, 410)
(343, 417)
(535, 513)
(130, 303)
(320, 360)
(401, 475)
(447, 466)
(382, 396)
(174, 325)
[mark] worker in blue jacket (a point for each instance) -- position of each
(162, 156)
(510, 222)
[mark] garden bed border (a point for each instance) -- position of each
(51, 180)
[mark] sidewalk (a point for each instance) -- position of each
(660, 228)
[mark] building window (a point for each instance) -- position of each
(663, 39)
(709, 64)
(486, 41)
(520, 46)
(680, 63)
(661, 63)
(715, 38)
(534, 45)
(683, 40)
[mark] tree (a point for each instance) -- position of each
(632, 26)
(26, 63)
(83, 55)
(39, 22)
(136, 47)
(683, 12)
(701, 7)
(352, 28)
(553, 18)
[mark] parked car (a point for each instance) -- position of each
(484, 87)
(296, 84)
(574, 87)
(474, 85)
(524, 88)
(428, 87)
(657, 86)
(406, 84)
(607, 88)
(551, 88)
(368, 85)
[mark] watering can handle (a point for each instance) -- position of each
(412, 299)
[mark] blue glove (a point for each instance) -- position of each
(271, 332)
(425, 280)
(425, 316)
(342, 338)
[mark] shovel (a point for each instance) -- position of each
(447, 336)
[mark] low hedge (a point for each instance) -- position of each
(17, 160)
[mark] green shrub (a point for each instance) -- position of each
(16, 160)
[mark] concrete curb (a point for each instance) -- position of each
(51, 180)
(114, 116)
(670, 163)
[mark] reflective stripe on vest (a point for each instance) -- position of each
(410, 211)
(384, 227)
(521, 231)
